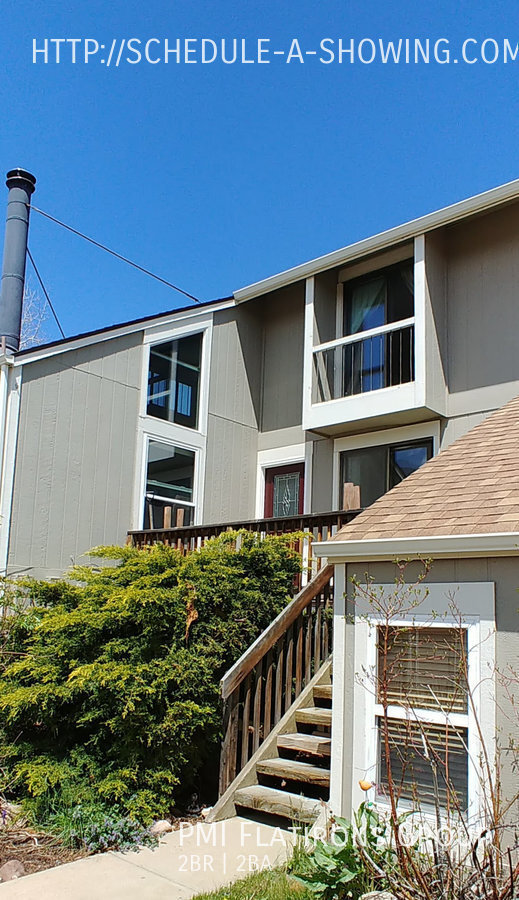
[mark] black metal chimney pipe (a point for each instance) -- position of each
(21, 185)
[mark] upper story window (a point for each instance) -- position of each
(174, 380)
(375, 470)
(372, 304)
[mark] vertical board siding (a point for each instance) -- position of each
(76, 454)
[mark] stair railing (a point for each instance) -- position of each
(270, 675)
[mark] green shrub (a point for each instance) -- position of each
(112, 694)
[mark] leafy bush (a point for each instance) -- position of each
(338, 868)
(92, 830)
(111, 695)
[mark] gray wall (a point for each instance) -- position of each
(504, 573)
(282, 314)
(483, 310)
(234, 409)
(75, 456)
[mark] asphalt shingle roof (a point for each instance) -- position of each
(472, 487)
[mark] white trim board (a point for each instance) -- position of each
(268, 459)
(436, 546)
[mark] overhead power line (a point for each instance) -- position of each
(129, 262)
(44, 289)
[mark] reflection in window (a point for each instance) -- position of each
(378, 469)
(174, 380)
(169, 486)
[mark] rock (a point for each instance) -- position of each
(162, 826)
(13, 868)
(378, 895)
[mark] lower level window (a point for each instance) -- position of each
(169, 486)
(423, 738)
(375, 470)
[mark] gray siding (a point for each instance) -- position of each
(322, 475)
(75, 457)
(282, 382)
(483, 309)
(234, 404)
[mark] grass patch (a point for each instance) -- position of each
(268, 885)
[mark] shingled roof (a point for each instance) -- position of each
(472, 487)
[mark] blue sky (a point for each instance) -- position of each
(217, 175)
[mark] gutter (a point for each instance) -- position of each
(436, 546)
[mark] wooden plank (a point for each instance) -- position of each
(278, 708)
(314, 715)
(323, 692)
(271, 635)
(167, 517)
(278, 803)
(289, 668)
(317, 638)
(269, 673)
(293, 770)
(350, 495)
(229, 744)
(256, 722)
(179, 521)
(308, 647)
(312, 744)
(245, 723)
(299, 656)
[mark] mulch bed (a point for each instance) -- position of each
(34, 850)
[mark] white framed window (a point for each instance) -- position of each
(169, 497)
(174, 380)
(377, 461)
(428, 706)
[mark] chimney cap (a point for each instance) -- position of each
(20, 177)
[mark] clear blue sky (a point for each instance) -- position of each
(217, 175)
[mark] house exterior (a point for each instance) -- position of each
(353, 368)
(461, 512)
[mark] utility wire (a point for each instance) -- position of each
(117, 255)
(44, 289)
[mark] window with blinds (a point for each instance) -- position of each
(421, 679)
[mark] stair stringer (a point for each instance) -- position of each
(225, 807)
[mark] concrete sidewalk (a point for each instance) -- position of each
(187, 862)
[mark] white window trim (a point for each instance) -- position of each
(152, 428)
(475, 602)
(270, 459)
(376, 439)
(397, 398)
(143, 468)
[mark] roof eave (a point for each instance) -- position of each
(421, 547)
(448, 215)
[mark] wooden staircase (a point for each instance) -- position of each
(277, 729)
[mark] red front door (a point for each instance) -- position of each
(284, 490)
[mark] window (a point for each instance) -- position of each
(169, 486)
(378, 469)
(421, 675)
(174, 380)
(284, 490)
(372, 302)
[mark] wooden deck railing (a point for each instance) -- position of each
(318, 527)
(271, 674)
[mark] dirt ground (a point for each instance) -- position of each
(34, 850)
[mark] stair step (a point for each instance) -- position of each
(278, 803)
(314, 715)
(315, 744)
(294, 771)
(323, 692)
